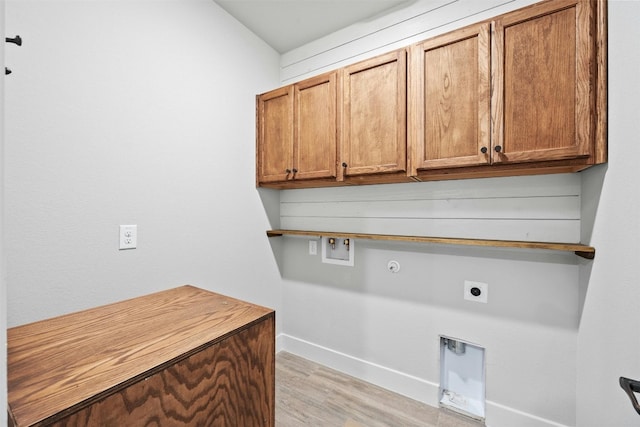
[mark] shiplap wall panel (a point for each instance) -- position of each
(532, 208)
(420, 20)
(522, 208)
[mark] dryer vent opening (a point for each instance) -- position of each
(462, 379)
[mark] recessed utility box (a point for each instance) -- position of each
(336, 250)
(462, 380)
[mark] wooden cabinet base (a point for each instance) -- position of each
(223, 381)
(489, 171)
(503, 170)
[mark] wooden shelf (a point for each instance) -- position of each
(583, 251)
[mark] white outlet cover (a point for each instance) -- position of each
(128, 236)
(484, 291)
(313, 247)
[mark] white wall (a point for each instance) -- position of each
(137, 112)
(3, 285)
(165, 84)
(609, 340)
(384, 327)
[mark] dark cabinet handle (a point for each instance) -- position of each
(344, 165)
(7, 71)
(17, 40)
(294, 170)
(498, 148)
(483, 150)
(631, 387)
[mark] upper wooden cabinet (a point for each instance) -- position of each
(450, 94)
(297, 131)
(523, 93)
(315, 127)
(374, 127)
(544, 83)
(274, 130)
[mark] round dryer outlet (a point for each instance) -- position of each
(393, 266)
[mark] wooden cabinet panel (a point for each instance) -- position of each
(544, 79)
(316, 121)
(374, 127)
(274, 150)
(219, 386)
(181, 357)
(449, 92)
(297, 131)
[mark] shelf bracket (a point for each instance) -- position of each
(586, 254)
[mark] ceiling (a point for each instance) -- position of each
(288, 24)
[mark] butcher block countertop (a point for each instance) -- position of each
(59, 365)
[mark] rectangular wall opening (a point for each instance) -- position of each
(337, 250)
(462, 377)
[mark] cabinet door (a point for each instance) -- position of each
(450, 98)
(374, 127)
(315, 127)
(274, 149)
(543, 75)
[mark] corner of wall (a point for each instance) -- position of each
(3, 282)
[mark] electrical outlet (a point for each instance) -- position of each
(128, 236)
(313, 247)
(476, 291)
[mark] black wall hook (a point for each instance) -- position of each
(17, 40)
(630, 387)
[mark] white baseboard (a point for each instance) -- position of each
(396, 381)
(497, 415)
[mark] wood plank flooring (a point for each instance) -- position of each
(309, 394)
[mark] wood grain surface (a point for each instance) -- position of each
(374, 116)
(315, 127)
(544, 54)
(223, 385)
(59, 366)
(274, 130)
(449, 99)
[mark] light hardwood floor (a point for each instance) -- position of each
(309, 394)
